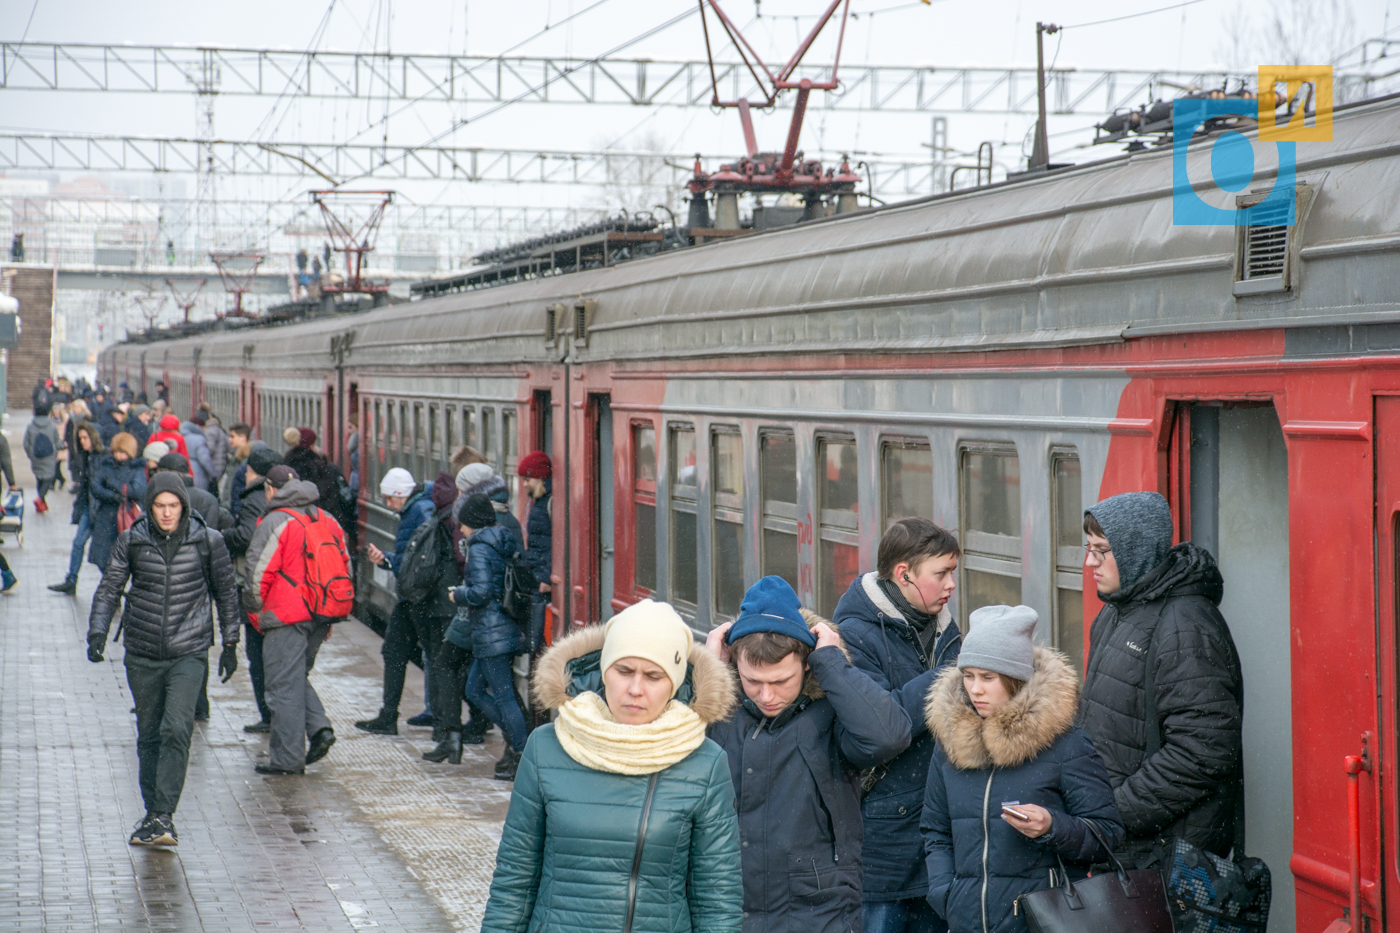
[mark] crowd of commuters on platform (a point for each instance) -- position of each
(888, 770)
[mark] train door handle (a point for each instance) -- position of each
(1354, 765)
(607, 550)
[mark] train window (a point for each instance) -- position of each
(377, 426)
(488, 437)
(449, 431)
(727, 554)
(838, 553)
(991, 523)
(777, 477)
(468, 426)
(684, 531)
(1069, 555)
(405, 440)
(644, 507)
(435, 437)
(907, 474)
(420, 444)
(508, 441)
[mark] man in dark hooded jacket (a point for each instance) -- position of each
(897, 628)
(807, 725)
(1160, 603)
(178, 569)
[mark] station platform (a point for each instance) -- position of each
(371, 837)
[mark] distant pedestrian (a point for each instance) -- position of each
(118, 482)
(808, 725)
(42, 444)
(218, 444)
(254, 503)
(476, 653)
(622, 805)
(291, 634)
(1014, 789)
(138, 423)
(416, 626)
(170, 435)
(87, 450)
(239, 447)
(537, 471)
(1161, 603)
(896, 625)
(179, 572)
(197, 452)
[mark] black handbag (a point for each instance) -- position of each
(1120, 901)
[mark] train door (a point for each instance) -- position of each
(1235, 481)
(601, 465)
(1387, 467)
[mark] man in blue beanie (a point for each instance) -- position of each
(808, 725)
(1176, 774)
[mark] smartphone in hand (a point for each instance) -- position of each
(1021, 815)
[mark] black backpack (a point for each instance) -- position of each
(518, 592)
(43, 447)
(425, 557)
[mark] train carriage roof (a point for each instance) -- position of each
(1084, 255)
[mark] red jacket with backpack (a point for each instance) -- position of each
(297, 563)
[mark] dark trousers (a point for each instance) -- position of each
(913, 915)
(451, 665)
(400, 646)
(165, 693)
(289, 653)
(253, 649)
(201, 706)
(42, 487)
(496, 675)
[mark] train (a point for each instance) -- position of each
(995, 359)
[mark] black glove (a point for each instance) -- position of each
(228, 663)
(96, 642)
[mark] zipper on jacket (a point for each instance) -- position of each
(637, 856)
(986, 844)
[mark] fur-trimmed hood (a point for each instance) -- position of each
(1029, 723)
(571, 667)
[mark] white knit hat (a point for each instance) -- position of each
(397, 482)
(652, 631)
(472, 474)
(155, 450)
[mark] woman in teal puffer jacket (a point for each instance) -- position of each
(622, 816)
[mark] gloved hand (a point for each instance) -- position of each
(96, 643)
(228, 663)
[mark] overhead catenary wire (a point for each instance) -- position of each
(1117, 19)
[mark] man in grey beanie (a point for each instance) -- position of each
(1178, 773)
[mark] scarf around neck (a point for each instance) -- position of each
(591, 736)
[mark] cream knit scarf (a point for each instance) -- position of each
(592, 737)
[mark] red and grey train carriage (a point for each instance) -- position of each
(993, 359)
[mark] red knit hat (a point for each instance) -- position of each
(308, 437)
(535, 465)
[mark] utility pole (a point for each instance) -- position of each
(938, 150)
(1040, 153)
(206, 215)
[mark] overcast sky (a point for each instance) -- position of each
(1203, 35)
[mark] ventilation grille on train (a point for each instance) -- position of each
(1265, 244)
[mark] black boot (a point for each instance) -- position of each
(67, 587)
(474, 732)
(449, 749)
(386, 723)
(505, 768)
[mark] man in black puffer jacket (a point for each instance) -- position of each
(179, 570)
(1162, 600)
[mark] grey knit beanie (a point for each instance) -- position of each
(1138, 526)
(1000, 640)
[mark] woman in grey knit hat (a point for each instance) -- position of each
(1013, 786)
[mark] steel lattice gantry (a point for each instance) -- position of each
(643, 82)
(342, 163)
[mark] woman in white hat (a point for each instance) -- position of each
(622, 815)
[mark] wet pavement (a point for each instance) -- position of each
(372, 837)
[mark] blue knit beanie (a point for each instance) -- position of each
(770, 605)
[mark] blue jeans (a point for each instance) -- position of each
(496, 674)
(80, 540)
(908, 916)
(7, 577)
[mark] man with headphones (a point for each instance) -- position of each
(897, 627)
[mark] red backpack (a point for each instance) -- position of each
(326, 587)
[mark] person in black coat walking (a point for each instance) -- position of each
(898, 629)
(479, 644)
(84, 453)
(808, 724)
(1161, 605)
(118, 479)
(179, 571)
(1013, 787)
(537, 471)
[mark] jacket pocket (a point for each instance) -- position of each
(821, 890)
(902, 805)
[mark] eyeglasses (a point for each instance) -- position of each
(1097, 553)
